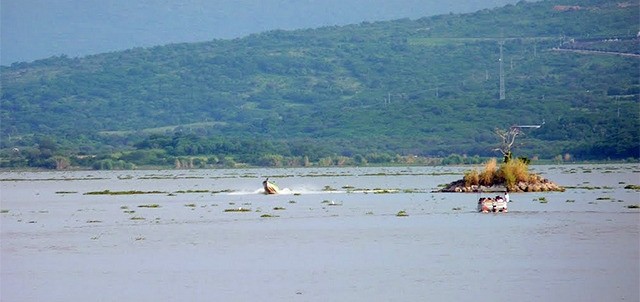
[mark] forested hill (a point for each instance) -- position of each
(428, 87)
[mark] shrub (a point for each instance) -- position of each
(487, 176)
(471, 178)
(509, 173)
(513, 172)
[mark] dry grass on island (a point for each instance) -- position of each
(512, 175)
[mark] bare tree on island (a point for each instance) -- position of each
(508, 139)
(511, 175)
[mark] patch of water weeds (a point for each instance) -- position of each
(152, 205)
(385, 191)
(132, 192)
(170, 177)
(239, 209)
(331, 203)
(541, 199)
(191, 191)
(402, 213)
(53, 179)
(326, 175)
(632, 187)
(328, 189)
(584, 187)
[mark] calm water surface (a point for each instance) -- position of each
(332, 235)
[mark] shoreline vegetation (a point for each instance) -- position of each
(511, 175)
(394, 161)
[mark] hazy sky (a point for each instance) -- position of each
(36, 29)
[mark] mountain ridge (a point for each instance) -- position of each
(427, 87)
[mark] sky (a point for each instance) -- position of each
(38, 29)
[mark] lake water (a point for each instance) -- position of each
(332, 235)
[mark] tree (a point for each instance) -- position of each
(508, 139)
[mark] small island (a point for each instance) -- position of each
(512, 175)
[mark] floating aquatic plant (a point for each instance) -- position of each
(240, 209)
(541, 199)
(385, 191)
(328, 189)
(192, 191)
(132, 192)
(331, 203)
(153, 205)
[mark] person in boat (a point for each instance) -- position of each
(500, 205)
(270, 188)
(506, 195)
(485, 205)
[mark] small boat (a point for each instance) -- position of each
(495, 205)
(270, 188)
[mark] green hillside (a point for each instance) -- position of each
(427, 87)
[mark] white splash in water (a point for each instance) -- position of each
(288, 191)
